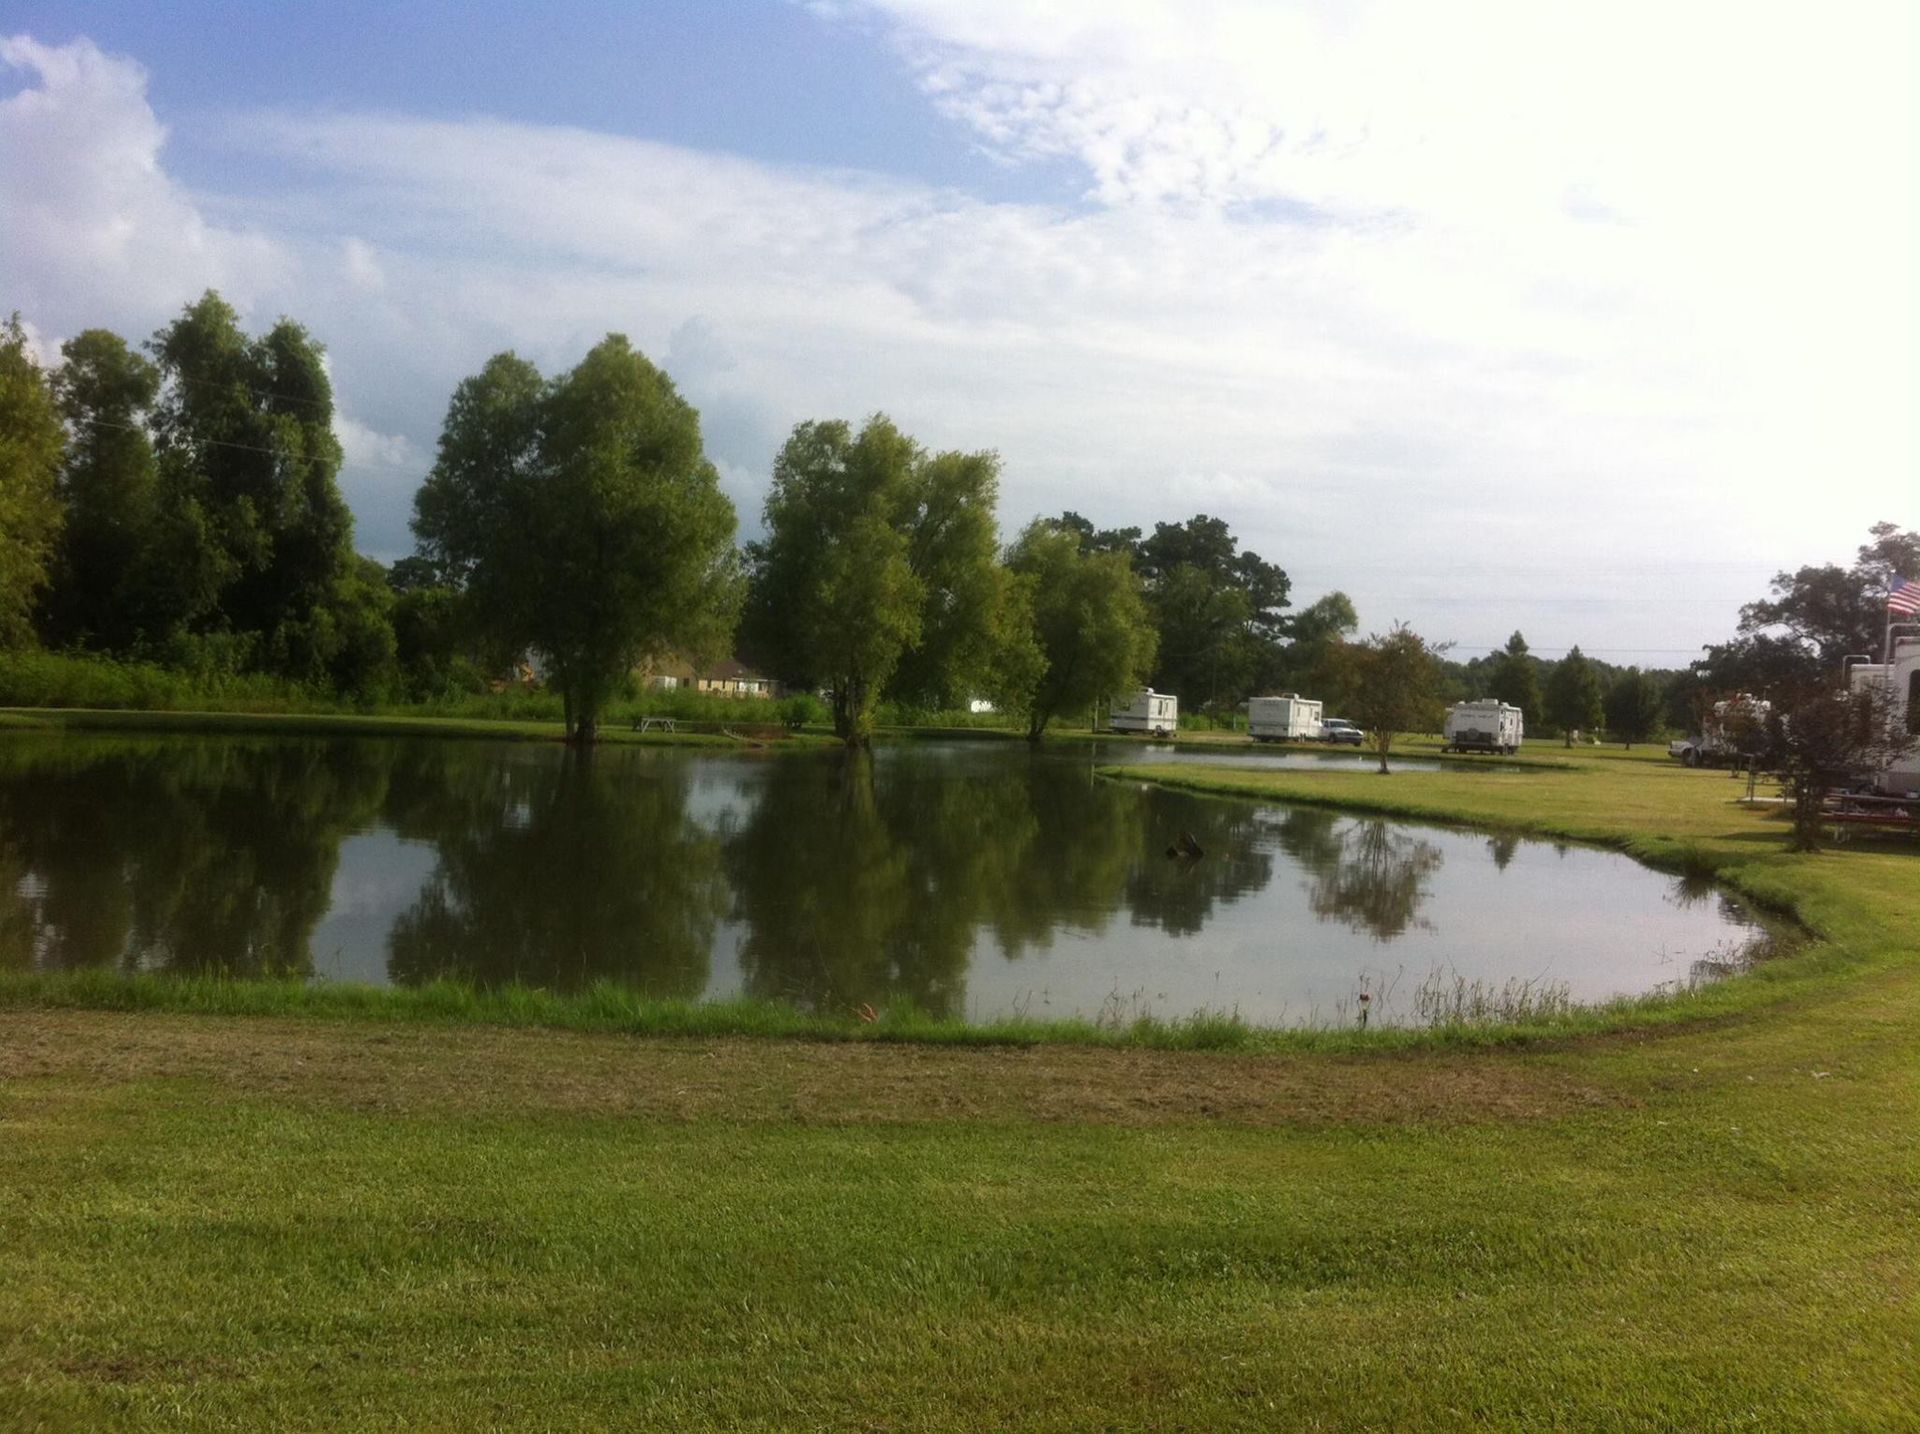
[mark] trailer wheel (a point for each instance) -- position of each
(1690, 758)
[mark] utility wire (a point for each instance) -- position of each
(200, 443)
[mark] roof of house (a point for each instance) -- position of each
(731, 669)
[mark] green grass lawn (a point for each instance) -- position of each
(1704, 1216)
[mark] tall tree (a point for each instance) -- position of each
(31, 444)
(1310, 661)
(1220, 610)
(582, 519)
(1573, 699)
(1515, 678)
(99, 596)
(1813, 617)
(952, 543)
(1633, 706)
(1393, 682)
(1084, 630)
(256, 539)
(1100, 540)
(876, 571)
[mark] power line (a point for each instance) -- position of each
(200, 442)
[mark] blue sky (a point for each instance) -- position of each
(1490, 316)
(752, 77)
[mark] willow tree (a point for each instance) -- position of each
(877, 566)
(31, 443)
(581, 519)
(1077, 627)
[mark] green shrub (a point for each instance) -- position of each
(53, 679)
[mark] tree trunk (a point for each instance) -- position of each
(1809, 795)
(583, 719)
(849, 718)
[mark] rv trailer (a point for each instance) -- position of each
(1288, 717)
(1484, 725)
(1734, 731)
(1900, 675)
(1155, 713)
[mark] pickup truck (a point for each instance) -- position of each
(1338, 731)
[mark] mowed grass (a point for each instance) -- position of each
(1705, 1221)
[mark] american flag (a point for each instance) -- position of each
(1903, 596)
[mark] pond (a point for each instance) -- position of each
(974, 879)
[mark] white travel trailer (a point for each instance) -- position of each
(1485, 724)
(1157, 713)
(1901, 674)
(1286, 718)
(1734, 731)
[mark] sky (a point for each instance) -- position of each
(1577, 319)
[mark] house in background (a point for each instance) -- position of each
(724, 678)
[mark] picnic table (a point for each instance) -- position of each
(1861, 809)
(653, 724)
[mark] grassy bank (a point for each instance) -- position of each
(337, 724)
(230, 1221)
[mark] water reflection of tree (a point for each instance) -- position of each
(556, 869)
(186, 856)
(1178, 895)
(1369, 875)
(1502, 849)
(857, 885)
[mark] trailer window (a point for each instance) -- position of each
(1913, 702)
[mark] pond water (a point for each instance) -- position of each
(975, 879)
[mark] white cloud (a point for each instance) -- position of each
(1453, 315)
(89, 210)
(366, 448)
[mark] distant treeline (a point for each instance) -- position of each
(174, 507)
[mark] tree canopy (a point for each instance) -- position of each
(1514, 677)
(581, 519)
(1813, 617)
(104, 575)
(878, 561)
(1633, 706)
(32, 442)
(1393, 684)
(1573, 699)
(1079, 628)
(259, 541)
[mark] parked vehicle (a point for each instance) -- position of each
(1340, 732)
(1156, 713)
(1286, 718)
(1901, 676)
(1485, 724)
(1734, 731)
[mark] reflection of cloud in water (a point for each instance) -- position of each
(379, 873)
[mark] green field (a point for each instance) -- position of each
(1700, 1214)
